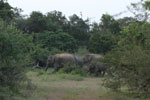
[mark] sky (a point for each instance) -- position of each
(92, 9)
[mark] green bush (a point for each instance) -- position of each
(15, 48)
(68, 68)
(79, 71)
(39, 55)
(73, 69)
(102, 43)
(129, 63)
(131, 68)
(82, 51)
(59, 40)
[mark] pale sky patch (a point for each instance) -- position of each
(90, 8)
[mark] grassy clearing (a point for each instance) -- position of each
(68, 87)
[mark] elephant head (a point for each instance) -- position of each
(50, 61)
(93, 65)
(88, 58)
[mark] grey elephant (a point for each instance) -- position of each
(89, 58)
(92, 64)
(58, 61)
(97, 68)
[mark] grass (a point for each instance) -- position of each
(70, 77)
(68, 87)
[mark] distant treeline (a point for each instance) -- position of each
(125, 42)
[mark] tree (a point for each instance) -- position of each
(140, 10)
(79, 29)
(129, 62)
(55, 21)
(59, 40)
(95, 28)
(6, 11)
(36, 22)
(104, 36)
(136, 34)
(22, 24)
(101, 43)
(15, 49)
(109, 24)
(126, 21)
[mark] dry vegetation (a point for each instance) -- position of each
(69, 87)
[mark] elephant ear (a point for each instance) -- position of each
(89, 58)
(84, 59)
(52, 59)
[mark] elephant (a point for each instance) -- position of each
(92, 64)
(59, 60)
(97, 68)
(88, 58)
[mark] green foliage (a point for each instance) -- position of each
(101, 43)
(68, 68)
(22, 24)
(136, 34)
(55, 21)
(79, 71)
(36, 22)
(59, 40)
(129, 63)
(6, 12)
(109, 24)
(49, 43)
(55, 51)
(82, 51)
(105, 35)
(14, 57)
(73, 69)
(39, 55)
(126, 21)
(79, 29)
(130, 67)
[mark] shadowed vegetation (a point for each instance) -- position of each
(106, 60)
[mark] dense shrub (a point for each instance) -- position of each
(39, 55)
(102, 43)
(129, 63)
(73, 69)
(59, 40)
(130, 67)
(14, 57)
(49, 43)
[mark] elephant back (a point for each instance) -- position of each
(60, 60)
(89, 58)
(64, 58)
(64, 55)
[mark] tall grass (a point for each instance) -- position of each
(62, 86)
